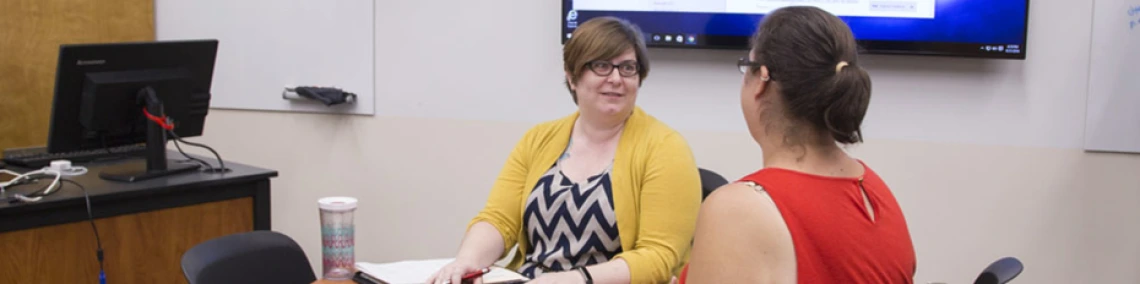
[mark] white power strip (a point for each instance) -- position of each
(64, 167)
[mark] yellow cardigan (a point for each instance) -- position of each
(656, 193)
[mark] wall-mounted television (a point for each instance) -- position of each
(959, 28)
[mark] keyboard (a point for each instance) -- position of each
(38, 157)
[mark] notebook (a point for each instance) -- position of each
(416, 271)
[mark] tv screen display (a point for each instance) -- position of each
(962, 28)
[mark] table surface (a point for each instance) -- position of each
(322, 281)
(326, 281)
(99, 188)
(69, 200)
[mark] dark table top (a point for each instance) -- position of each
(102, 191)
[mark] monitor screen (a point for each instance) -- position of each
(962, 28)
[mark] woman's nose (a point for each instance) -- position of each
(614, 77)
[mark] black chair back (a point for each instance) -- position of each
(710, 181)
(1000, 271)
(253, 257)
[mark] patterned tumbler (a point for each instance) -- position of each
(337, 237)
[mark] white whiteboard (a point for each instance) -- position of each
(265, 45)
(1112, 120)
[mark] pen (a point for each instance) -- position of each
(478, 273)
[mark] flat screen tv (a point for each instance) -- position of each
(959, 28)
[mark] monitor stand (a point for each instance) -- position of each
(155, 165)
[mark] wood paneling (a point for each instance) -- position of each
(138, 248)
(30, 34)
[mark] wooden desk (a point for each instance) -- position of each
(145, 227)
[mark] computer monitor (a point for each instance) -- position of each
(102, 89)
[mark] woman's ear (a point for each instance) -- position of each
(758, 83)
(765, 79)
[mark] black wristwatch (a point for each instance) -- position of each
(586, 275)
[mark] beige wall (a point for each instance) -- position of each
(984, 155)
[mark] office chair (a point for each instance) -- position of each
(252, 257)
(710, 181)
(1000, 271)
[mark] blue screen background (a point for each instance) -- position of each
(955, 21)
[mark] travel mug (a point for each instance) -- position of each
(337, 237)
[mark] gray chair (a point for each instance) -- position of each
(1001, 271)
(253, 257)
(710, 181)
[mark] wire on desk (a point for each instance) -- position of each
(91, 218)
(221, 164)
(209, 168)
(30, 177)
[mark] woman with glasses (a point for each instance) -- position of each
(607, 194)
(811, 214)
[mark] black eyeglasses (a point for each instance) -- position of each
(746, 65)
(604, 68)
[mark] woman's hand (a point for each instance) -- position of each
(479, 249)
(566, 277)
(452, 272)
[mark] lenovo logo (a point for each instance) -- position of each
(90, 62)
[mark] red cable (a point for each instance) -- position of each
(160, 120)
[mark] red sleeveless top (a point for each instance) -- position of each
(835, 239)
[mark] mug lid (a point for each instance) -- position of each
(337, 203)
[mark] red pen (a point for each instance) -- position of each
(475, 274)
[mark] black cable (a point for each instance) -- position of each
(170, 131)
(221, 164)
(209, 167)
(40, 192)
(90, 218)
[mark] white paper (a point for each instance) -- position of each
(417, 271)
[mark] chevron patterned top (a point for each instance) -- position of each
(569, 224)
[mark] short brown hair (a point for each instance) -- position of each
(805, 49)
(602, 38)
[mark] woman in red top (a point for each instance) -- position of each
(813, 214)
